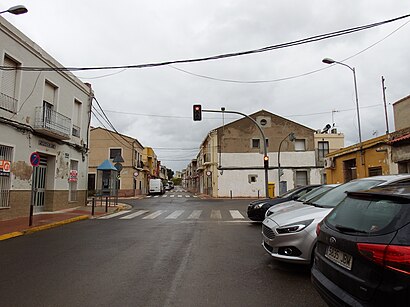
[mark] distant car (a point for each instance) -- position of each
(257, 208)
(289, 234)
(363, 250)
(171, 184)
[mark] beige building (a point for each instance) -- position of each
(230, 160)
(106, 144)
(44, 113)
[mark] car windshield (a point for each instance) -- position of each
(358, 215)
(315, 192)
(289, 193)
(336, 195)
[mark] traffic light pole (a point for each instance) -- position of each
(265, 150)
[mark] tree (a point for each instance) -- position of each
(170, 173)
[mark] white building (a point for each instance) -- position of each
(44, 112)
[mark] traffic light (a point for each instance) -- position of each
(197, 112)
(266, 162)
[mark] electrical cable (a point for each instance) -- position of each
(311, 39)
(290, 77)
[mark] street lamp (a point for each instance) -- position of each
(331, 61)
(291, 137)
(16, 10)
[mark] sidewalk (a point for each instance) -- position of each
(45, 220)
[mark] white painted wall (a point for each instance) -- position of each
(237, 180)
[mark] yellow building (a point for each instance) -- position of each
(106, 144)
(150, 162)
(352, 162)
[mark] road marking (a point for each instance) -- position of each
(172, 196)
(195, 196)
(106, 217)
(153, 215)
(179, 195)
(195, 215)
(175, 214)
(156, 196)
(236, 214)
(187, 196)
(149, 196)
(164, 195)
(132, 215)
(216, 214)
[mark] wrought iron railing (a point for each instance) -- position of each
(8, 103)
(47, 118)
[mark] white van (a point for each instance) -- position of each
(156, 186)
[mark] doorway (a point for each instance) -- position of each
(39, 184)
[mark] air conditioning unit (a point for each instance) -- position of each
(329, 163)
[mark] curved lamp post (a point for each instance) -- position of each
(291, 137)
(331, 61)
(16, 10)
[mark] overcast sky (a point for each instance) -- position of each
(154, 105)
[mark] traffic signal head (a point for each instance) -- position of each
(197, 112)
(266, 162)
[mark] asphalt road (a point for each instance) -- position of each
(166, 251)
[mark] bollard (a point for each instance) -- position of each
(231, 194)
(258, 194)
(106, 204)
(92, 206)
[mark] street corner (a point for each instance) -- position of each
(10, 235)
(121, 207)
(55, 224)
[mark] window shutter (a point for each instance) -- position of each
(9, 79)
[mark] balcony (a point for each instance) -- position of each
(8, 103)
(52, 123)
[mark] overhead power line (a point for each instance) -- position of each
(217, 57)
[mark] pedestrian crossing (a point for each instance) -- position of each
(172, 196)
(217, 215)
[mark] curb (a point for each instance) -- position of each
(43, 227)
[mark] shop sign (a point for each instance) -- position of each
(5, 166)
(73, 175)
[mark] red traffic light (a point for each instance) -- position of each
(197, 112)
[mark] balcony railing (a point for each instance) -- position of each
(52, 123)
(8, 103)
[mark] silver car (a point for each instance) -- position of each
(289, 234)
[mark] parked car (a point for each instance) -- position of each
(306, 199)
(363, 250)
(289, 234)
(257, 208)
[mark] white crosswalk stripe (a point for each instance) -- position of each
(164, 195)
(187, 196)
(106, 217)
(195, 215)
(179, 195)
(236, 214)
(172, 196)
(175, 214)
(153, 215)
(135, 214)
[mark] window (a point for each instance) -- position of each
(300, 145)
(115, 152)
(349, 169)
(76, 118)
(375, 171)
(323, 149)
(252, 178)
(301, 178)
(6, 155)
(9, 86)
(48, 105)
(255, 143)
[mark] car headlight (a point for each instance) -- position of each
(294, 227)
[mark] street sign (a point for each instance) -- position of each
(136, 174)
(35, 159)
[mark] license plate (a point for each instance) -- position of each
(339, 257)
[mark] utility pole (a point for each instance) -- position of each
(385, 105)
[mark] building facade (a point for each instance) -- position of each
(230, 161)
(106, 144)
(44, 115)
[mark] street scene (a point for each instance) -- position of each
(217, 153)
(159, 252)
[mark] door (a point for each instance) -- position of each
(39, 184)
